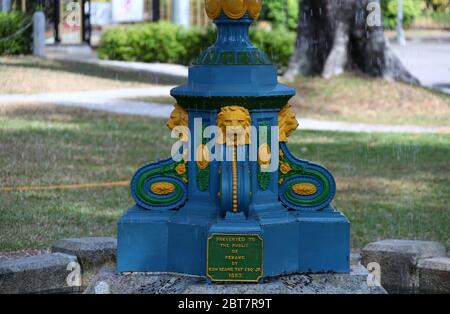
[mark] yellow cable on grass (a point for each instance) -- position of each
(65, 186)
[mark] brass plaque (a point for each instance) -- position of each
(234, 257)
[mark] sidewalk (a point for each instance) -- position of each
(87, 96)
(118, 101)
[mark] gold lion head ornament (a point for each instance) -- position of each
(179, 118)
(234, 126)
(287, 122)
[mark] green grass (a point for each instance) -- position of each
(355, 98)
(350, 97)
(20, 75)
(390, 186)
(433, 20)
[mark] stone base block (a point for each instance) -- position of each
(109, 282)
(434, 275)
(398, 260)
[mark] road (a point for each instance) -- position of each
(429, 62)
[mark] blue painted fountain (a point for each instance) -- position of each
(221, 209)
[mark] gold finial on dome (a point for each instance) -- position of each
(213, 8)
(234, 9)
(254, 8)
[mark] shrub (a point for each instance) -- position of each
(195, 40)
(282, 14)
(279, 44)
(12, 23)
(154, 42)
(166, 42)
(411, 9)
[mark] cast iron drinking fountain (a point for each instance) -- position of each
(233, 203)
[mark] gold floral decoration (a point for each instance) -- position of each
(181, 168)
(162, 188)
(285, 167)
(304, 189)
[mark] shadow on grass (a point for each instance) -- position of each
(99, 71)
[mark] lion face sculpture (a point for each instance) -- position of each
(234, 123)
(179, 118)
(287, 122)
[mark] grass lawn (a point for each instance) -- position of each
(33, 75)
(353, 98)
(346, 98)
(390, 186)
(360, 99)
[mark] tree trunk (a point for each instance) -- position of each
(338, 35)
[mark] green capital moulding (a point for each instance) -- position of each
(192, 213)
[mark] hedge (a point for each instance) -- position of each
(12, 23)
(279, 45)
(169, 43)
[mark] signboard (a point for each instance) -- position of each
(127, 11)
(101, 12)
(234, 257)
(70, 22)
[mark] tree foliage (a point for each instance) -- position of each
(438, 5)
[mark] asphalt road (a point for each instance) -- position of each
(429, 62)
